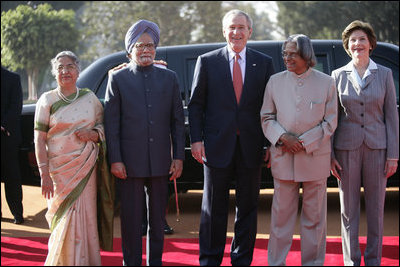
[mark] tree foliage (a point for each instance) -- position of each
(327, 19)
(181, 22)
(57, 5)
(104, 31)
(262, 25)
(205, 21)
(31, 37)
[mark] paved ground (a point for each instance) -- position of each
(190, 206)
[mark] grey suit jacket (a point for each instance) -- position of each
(367, 114)
(143, 114)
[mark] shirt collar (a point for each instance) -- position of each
(232, 54)
(303, 75)
(361, 80)
(371, 66)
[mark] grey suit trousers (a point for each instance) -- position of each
(312, 222)
(366, 165)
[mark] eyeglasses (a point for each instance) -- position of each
(289, 55)
(67, 68)
(141, 46)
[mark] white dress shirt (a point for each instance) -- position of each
(354, 73)
(241, 61)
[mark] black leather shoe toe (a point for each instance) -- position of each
(19, 220)
(168, 230)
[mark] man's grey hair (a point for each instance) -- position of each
(304, 48)
(69, 54)
(237, 12)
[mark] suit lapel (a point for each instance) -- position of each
(251, 65)
(225, 67)
(355, 84)
(225, 64)
(370, 78)
(348, 69)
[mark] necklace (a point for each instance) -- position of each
(66, 99)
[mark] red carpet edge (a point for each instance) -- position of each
(32, 251)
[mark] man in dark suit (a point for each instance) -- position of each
(145, 133)
(11, 107)
(226, 135)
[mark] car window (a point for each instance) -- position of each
(322, 63)
(319, 66)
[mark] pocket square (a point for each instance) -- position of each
(254, 65)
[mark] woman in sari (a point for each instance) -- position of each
(68, 125)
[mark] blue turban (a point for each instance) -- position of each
(137, 29)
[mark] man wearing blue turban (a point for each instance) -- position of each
(137, 29)
(144, 122)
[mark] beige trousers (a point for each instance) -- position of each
(312, 222)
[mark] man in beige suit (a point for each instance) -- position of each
(299, 116)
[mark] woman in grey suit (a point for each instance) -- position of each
(366, 142)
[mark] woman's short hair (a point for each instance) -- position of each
(358, 25)
(69, 54)
(237, 12)
(304, 48)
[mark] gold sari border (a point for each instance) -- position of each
(69, 200)
(41, 127)
(105, 199)
(61, 103)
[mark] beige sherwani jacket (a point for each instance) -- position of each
(305, 106)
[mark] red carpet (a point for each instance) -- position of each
(32, 251)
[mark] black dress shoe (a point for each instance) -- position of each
(144, 229)
(19, 220)
(168, 230)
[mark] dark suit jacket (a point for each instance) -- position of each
(11, 104)
(143, 114)
(214, 115)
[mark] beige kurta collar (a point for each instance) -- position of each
(303, 75)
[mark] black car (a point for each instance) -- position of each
(182, 59)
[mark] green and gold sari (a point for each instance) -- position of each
(83, 186)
